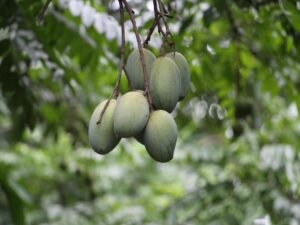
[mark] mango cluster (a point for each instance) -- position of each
(130, 115)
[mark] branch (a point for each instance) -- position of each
(41, 14)
(151, 30)
(116, 90)
(156, 22)
(160, 13)
(171, 42)
(157, 17)
(140, 47)
(127, 77)
(122, 60)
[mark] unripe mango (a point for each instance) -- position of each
(135, 70)
(102, 137)
(165, 84)
(184, 69)
(160, 136)
(131, 114)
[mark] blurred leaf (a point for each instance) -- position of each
(293, 13)
(186, 23)
(15, 197)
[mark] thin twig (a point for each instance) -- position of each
(171, 43)
(157, 18)
(41, 14)
(140, 47)
(122, 62)
(150, 32)
(127, 77)
(116, 90)
(160, 13)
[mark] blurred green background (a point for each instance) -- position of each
(237, 157)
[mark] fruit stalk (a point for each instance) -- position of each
(122, 60)
(150, 32)
(116, 90)
(140, 47)
(160, 13)
(126, 75)
(168, 33)
(154, 24)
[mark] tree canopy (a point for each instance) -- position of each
(237, 157)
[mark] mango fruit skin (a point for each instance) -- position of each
(165, 84)
(135, 70)
(160, 136)
(184, 69)
(102, 137)
(131, 114)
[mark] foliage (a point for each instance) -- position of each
(237, 157)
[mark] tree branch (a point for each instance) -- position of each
(171, 42)
(160, 12)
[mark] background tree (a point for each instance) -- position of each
(237, 158)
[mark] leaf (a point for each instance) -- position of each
(19, 191)
(16, 198)
(248, 60)
(293, 14)
(186, 23)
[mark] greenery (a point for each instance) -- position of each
(238, 153)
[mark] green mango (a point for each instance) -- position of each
(165, 84)
(102, 137)
(160, 136)
(135, 70)
(184, 69)
(131, 114)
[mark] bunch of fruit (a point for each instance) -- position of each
(130, 115)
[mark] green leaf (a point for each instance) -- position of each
(186, 23)
(293, 14)
(15, 197)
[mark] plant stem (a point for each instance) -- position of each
(41, 15)
(167, 33)
(150, 32)
(140, 47)
(159, 14)
(127, 77)
(122, 60)
(116, 90)
(157, 17)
